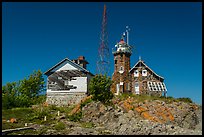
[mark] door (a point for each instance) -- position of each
(137, 88)
(117, 88)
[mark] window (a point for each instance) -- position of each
(121, 69)
(137, 91)
(156, 86)
(136, 73)
(128, 86)
(144, 72)
(66, 82)
(117, 89)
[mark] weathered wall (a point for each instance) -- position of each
(80, 84)
(143, 82)
(64, 98)
(121, 60)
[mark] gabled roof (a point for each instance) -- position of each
(140, 61)
(71, 63)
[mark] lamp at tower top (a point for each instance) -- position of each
(122, 46)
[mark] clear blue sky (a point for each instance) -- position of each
(168, 37)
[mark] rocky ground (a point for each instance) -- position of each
(128, 117)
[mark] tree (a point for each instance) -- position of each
(32, 86)
(24, 92)
(99, 88)
(9, 93)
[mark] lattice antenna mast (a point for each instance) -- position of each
(127, 31)
(103, 62)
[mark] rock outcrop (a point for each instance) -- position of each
(150, 117)
(132, 117)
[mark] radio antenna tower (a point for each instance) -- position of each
(103, 62)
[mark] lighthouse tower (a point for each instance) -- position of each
(121, 77)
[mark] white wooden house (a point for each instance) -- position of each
(67, 81)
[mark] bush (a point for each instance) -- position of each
(99, 88)
(39, 113)
(39, 99)
(75, 117)
(187, 100)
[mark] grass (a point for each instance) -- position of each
(35, 116)
(85, 103)
(60, 126)
(75, 117)
(21, 114)
(142, 98)
(138, 98)
(87, 124)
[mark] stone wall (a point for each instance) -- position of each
(64, 98)
(121, 59)
(143, 82)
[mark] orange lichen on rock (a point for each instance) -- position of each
(78, 106)
(158, 113)
(86, 98)
(146, 115)
(166, 115)
(194, 107)
(127, 106)
(158, 120)
(140, 109)
(76, 109)
(13, 120)
(45, 104)
(171, 117)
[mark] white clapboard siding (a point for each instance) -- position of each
(80, 83)
(64, 66)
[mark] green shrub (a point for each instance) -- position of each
(60, 126)
(85, 102)
(53, 107)
(39, 99)
(187, 100)
(75, 117)
(40, 113)
(99, 88)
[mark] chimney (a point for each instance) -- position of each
(81, 58)
(81, 61)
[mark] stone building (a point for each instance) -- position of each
(67, 81)
(138, 80)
